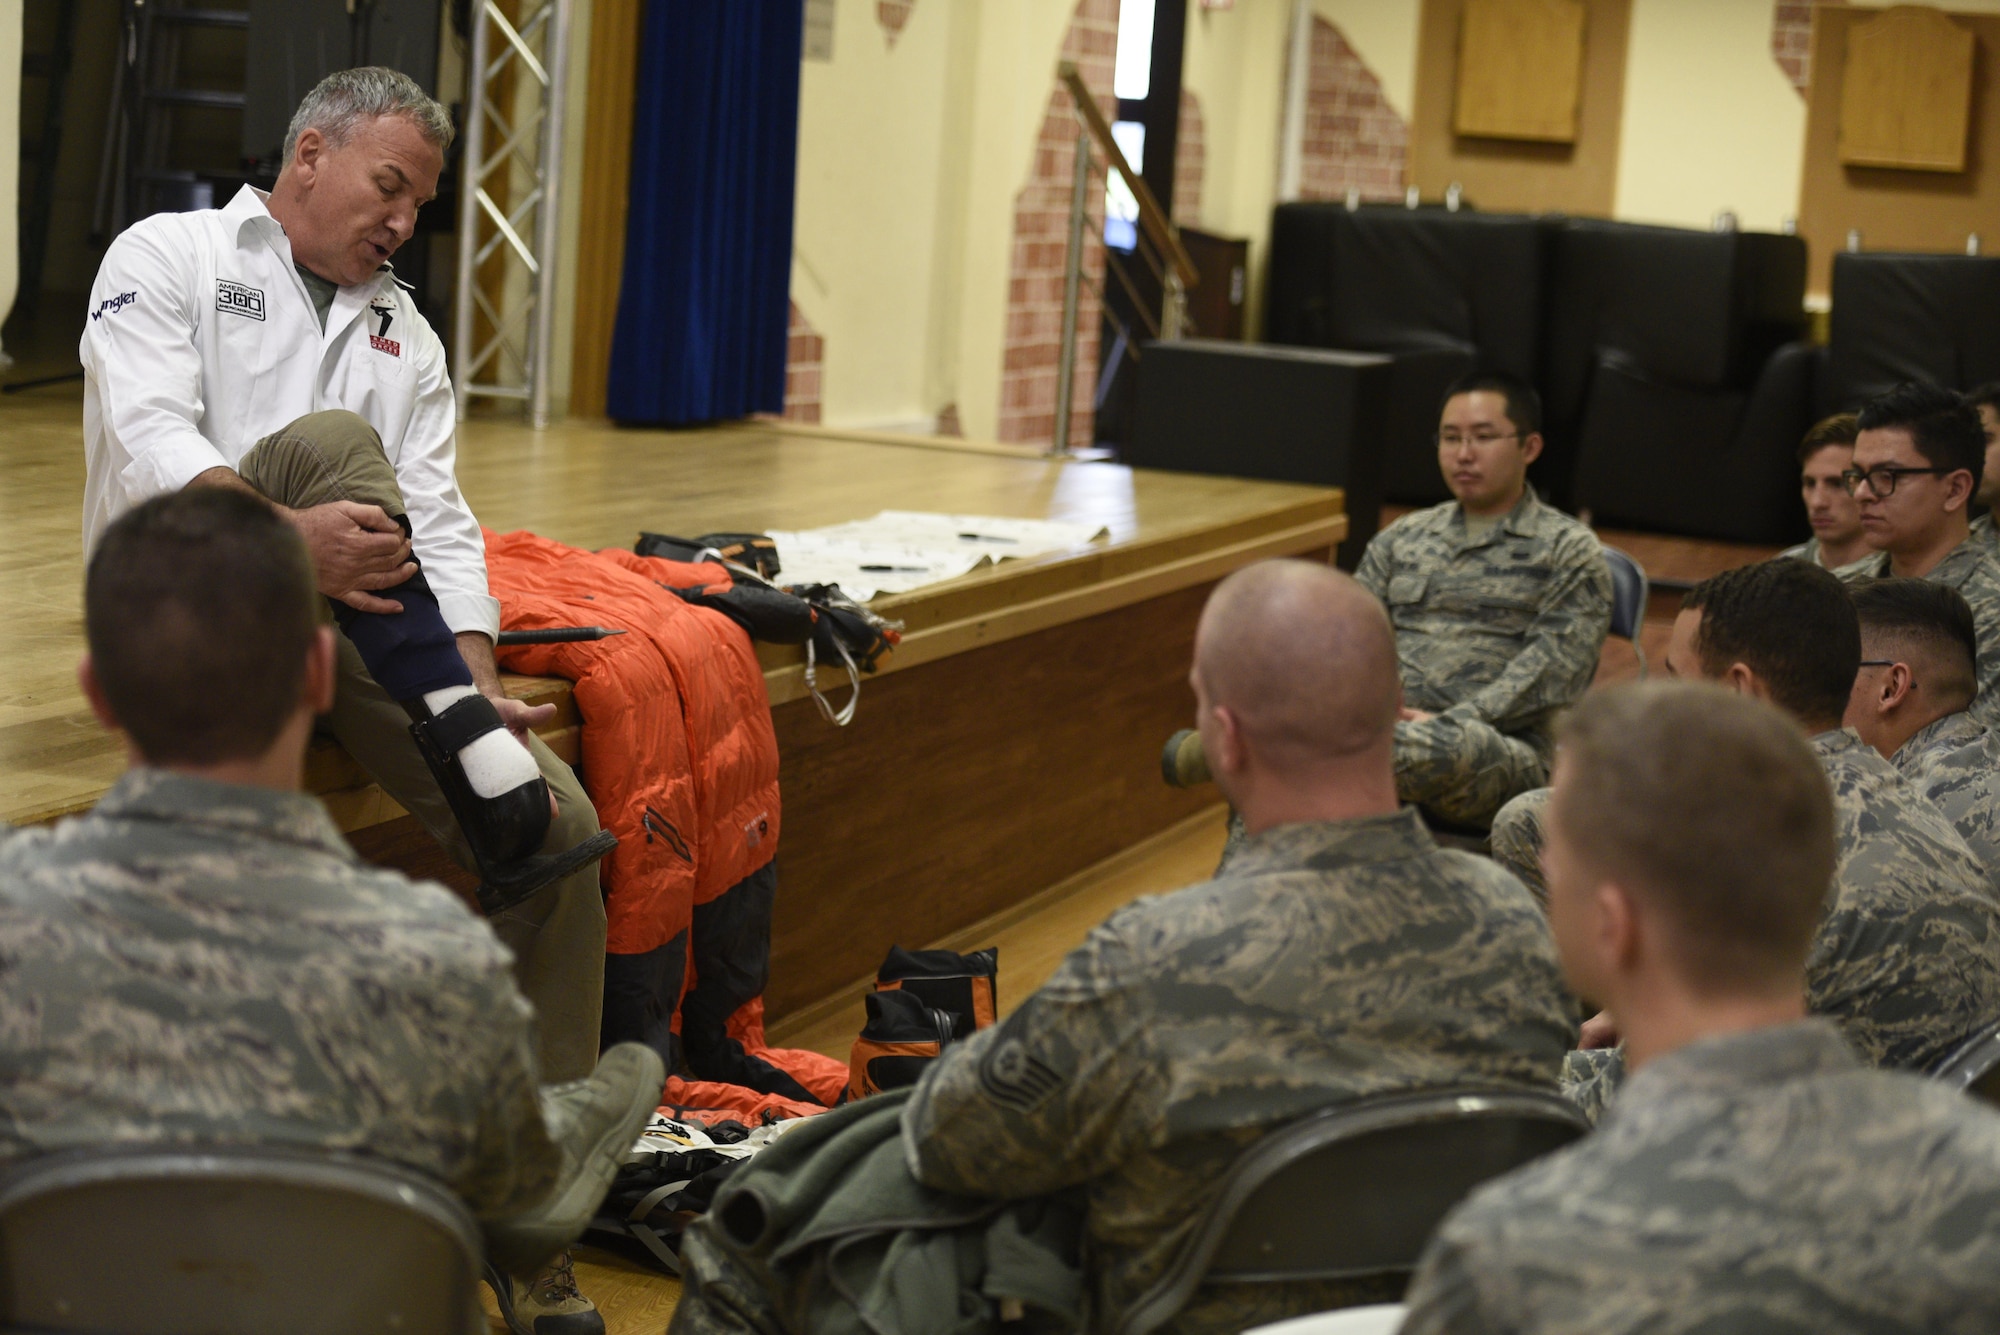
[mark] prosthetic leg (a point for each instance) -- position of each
(505, 831)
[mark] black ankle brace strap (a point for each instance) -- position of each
(463, 723)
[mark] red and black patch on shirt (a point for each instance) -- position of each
(388, 345)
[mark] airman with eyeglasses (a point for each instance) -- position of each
(1500, 605)
(1918, 464)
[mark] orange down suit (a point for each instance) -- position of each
(679, 756)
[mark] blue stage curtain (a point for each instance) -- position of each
(704, 301)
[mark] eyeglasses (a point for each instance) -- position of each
(1878, 662)
(1451, 440)
(1882, 479)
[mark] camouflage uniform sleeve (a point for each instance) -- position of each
(1443, 1297)
(1040, 1101)
(1373, 572)
(1559, 656)
(514, 1164)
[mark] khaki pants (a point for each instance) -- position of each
(558, 936)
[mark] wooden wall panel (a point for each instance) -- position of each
(615, 28)
(1511, 174)
(1906, 91)
(1520, 69)
(1895, 210)
(965, 786)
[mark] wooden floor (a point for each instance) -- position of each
(1032, 939)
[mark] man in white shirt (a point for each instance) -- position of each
(268, 345)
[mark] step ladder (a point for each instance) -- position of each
(146, 170)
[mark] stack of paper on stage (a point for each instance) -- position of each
(900, 550)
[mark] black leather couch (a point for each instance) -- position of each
(1437, 292)
(1909, 317)
(1673, 385)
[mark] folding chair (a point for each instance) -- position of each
(233, 1241)
(1629, 593)
(1354, 1191)
(1975, 1066)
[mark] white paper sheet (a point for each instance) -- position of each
(896, 551)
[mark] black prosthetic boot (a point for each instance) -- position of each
(505, 832)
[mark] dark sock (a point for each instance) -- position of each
(409, 653)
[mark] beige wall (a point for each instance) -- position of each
(10, 152)
(1384, 34)
(1234, 63)
(1711, 122)
(868, 218)
(911, 156)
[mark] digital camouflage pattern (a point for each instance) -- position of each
(1762, 1181)
(196, 961)
(1955, 763)
(1495, 632)
(1984, 531)
(1516, 840)
(1973, 568)
(1591, 1076)
(1331, 960)
(1907, 959)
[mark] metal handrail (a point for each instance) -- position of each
(1152, 218)
(1157, 244)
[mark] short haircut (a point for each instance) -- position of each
(1524, 405)
(199, 609)
(1943, 426)
(1711, 807)
(1305, 658)
(1792, 624)
(1984, 396)
(343, 100)
(1933, 619)
(1839, 429)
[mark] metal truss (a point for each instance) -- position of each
(509, 203)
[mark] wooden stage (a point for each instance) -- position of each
(1009, 743)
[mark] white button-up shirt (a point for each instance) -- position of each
(202, 340)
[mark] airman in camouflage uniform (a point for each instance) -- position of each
(1754, 1181)
(1496, 630)
(1907, 959)
(210, 962)
(1330, 960)
(1955, 762)
(1973, 568)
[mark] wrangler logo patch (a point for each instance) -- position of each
(388, 345)
(113, 305)
(239, 300)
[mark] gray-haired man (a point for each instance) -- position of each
(268, 346)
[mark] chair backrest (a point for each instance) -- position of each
(1975, 1066)
(1629, 592)
(1355, 1190)
(216, 1241)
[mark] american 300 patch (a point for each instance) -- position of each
(237, 299)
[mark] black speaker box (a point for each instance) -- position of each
(1257, 411)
